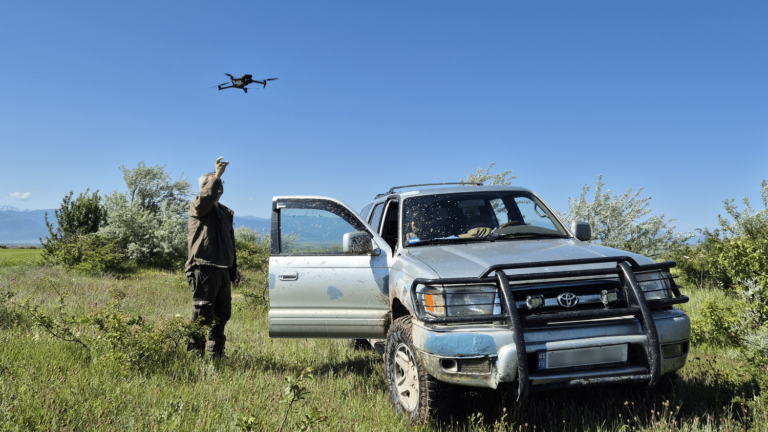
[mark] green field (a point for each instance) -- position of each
(49, 384)
(15, 257)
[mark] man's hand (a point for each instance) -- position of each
(220, 166)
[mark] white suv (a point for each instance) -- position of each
(472, 285)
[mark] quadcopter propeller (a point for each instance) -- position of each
(229, 75)
(268, 79)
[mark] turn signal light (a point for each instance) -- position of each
(435, 302)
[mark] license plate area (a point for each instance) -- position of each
(583, 358)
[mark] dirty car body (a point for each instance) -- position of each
(498, 290)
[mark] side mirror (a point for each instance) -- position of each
(581, 230)
(359, 243)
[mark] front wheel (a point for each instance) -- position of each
(411, 389)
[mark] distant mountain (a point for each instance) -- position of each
(23, 227)
(254, 223)
(28, 226)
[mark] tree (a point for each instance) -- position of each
(151, 187)
(620, 221)
(150, 220)
(501, 179)
(75, 219)
(83, 215)
(747, 222)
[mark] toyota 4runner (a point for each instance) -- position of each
(480, 286)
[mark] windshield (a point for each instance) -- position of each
(476, 216)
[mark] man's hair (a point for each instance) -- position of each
(204, 179)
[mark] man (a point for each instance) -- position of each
(212, 264)
(418, 225)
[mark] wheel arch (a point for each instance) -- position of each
(398, 309)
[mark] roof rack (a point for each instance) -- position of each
(434, 184)
(392, 190)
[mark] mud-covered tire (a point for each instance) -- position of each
(405, 372)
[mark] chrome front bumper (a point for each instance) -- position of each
(439, 346)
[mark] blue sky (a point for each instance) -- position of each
(670, 96)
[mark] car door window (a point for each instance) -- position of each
(389, 225)
(376, 217)
(364, 211)
(312, 232)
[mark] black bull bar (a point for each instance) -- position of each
(637, 306)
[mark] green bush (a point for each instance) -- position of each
(149, 220)
(623, 221)
(75, 218)
(133, 343)
(252, 248)
(746, 258)
(700, 265)
(251, 256)
(89, 254)
(129, 342)
(717, 326)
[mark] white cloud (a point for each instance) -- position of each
(21, 196)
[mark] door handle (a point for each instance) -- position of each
(288, 276)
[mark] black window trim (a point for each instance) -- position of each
(309, 203)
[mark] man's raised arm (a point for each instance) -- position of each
(210, 191)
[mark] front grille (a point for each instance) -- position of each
(587, 292)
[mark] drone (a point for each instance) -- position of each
(242, 82)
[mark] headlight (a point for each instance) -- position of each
(655, 285)
(466, 301)
(433, 301)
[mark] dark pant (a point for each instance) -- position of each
(211, 302)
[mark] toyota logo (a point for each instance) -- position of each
(568, 300)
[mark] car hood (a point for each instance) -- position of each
(470, 259)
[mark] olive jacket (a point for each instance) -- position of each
(211, 237)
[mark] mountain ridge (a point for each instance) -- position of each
(26, 227)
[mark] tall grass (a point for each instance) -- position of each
(47, 384)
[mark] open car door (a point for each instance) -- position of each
(328, 272)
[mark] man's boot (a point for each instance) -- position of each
(218, 340)
(196, 345)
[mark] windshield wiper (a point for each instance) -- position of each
(454, 239)
(529, 234)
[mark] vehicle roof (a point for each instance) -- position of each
(449, 190)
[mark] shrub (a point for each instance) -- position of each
(718, 326)
(746, 258)
(131, 342)
(126, 341)
(149, 221)
(74, 218)
(620, 221)
(252, 248)
(90, 254)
